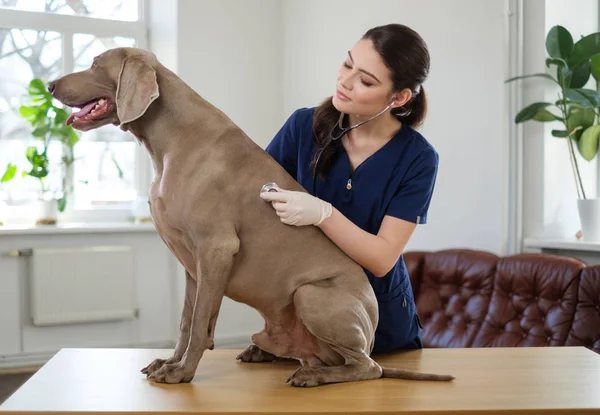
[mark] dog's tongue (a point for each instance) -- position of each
(82, 112)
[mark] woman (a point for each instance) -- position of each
(375, 183)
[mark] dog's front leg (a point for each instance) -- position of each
(214, 267)
(184, 328)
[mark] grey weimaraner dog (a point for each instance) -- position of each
(317, 303)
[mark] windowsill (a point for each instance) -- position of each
(562, 244)
(76, 228)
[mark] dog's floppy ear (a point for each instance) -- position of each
(136, 89)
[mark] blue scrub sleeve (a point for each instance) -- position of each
(284, 146)
(411, 200)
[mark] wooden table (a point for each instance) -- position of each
(491, 381)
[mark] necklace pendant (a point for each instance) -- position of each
(349, 184)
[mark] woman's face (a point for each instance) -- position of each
(364, 85)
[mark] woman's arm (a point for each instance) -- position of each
(377, 253)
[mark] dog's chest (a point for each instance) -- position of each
(167, 225)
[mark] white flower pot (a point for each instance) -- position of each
(589, 215)
(47, 212)
(141, 210)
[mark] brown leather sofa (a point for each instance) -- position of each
(469, 298)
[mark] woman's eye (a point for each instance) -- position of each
(365, 83)
(347, 66)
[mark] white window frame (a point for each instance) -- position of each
(68, 26)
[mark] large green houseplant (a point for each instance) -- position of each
(48, 123)
(572, 65)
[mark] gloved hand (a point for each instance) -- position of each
(298, 208)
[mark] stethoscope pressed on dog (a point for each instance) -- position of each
(272, 187)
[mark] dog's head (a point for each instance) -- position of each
(117, 88)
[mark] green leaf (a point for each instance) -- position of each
(544, 115)
(583, 118)
(61, 117)
(31, 152)
(560, 133)
(559, 42)
(73, 137)
(584, 50)
(595, 67)
(580, 75)
(40, 132)
(10, 172)
(38, 86)
(585, 97)
(588, 143)
(119, 169)
(530, 111)
(555, 61)
(62, 203)
(540, 75)
(31, 114)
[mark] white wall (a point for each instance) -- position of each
(230, 53)
(465, 91)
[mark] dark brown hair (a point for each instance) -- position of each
(405, 54)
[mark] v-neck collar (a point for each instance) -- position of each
(379, 153)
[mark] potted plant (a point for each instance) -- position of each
(48, 123)
(576, 109)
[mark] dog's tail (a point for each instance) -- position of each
(410, 375)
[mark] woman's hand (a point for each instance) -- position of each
(377, 253)
(298, 208)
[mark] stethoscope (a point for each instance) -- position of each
(342, 133)
(272, 187)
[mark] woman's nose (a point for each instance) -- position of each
(346, 82)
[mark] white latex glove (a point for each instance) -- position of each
(298, 208)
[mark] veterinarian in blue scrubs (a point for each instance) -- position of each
(375, 183)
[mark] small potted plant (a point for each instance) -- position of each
(48, 123)
(576, 109)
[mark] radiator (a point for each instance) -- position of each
(84, 284)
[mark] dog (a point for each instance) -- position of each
(317, 303)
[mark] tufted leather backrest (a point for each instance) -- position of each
(469, 298)
(533, 302)
(455, 291)
(586, 325)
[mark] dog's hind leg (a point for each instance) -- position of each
(344, 330)
(215, 262)
(254, 354)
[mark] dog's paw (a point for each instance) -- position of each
(306, 377)
(173, 373)
(254, 354)
(155, 365)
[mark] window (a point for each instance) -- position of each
(46, 39)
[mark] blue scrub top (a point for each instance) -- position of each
(397, 180)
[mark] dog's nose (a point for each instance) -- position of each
(51, 87)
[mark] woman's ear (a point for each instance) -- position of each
(401, 98)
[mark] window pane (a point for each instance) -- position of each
(106, 9)
(85, 47)
(24, 55)
(105, 173)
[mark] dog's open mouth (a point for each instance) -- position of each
(92, 111)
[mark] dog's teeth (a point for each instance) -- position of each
(102, 101)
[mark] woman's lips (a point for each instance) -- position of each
(341, 96)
